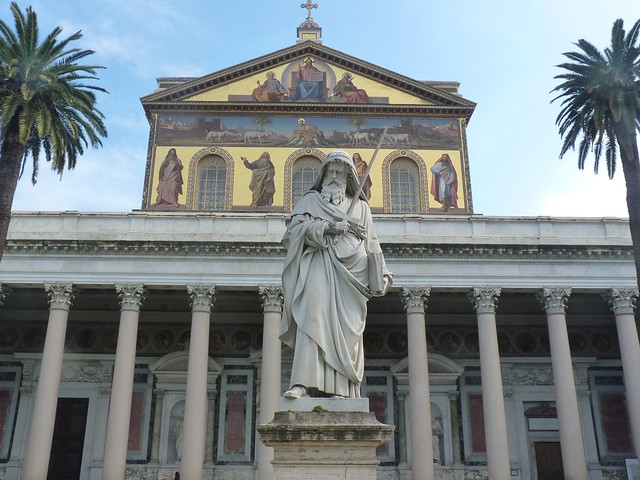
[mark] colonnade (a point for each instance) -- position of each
(484, 300)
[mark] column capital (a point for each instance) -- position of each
(622, 300)
(453, 395)
(26, 391)
(60, 295)
(484, 299)
(401, 395)
(271, 298)
(554, 300)
(131, 296)
(159, 392)
(212, 394)
(415, 298)
(202, 297)
(4, 291)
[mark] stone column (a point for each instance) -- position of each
(208, 456)
(36, 460)
(419, 397)
(402, 428)
(271, 370)
(622, 303)
(195, 403)
(115, 449)
(574, 460)
(157, 422)
(455, 426)
(495, 423)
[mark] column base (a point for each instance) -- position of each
(330, 445)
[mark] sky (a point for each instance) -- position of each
(503, 52)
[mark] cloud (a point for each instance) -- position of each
(588, 195)
(109, 179)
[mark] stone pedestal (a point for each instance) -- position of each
(328, 445)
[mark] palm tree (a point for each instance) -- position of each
(262, 121)
(601, 108)
(357, 122)
(45, 104)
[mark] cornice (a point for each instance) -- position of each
(391, 250)
(310, 108)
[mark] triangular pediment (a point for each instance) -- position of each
(309, 73)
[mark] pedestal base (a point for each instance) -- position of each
(324, 445)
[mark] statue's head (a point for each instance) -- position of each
(339, 157)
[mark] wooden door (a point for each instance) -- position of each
(548, 461)
(68, 439)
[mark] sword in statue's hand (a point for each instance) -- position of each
(366, 173)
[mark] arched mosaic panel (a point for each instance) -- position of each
(288, 171)
(422, 178)
(193, 171)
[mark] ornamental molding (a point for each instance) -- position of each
(275, 249)
(415, 299)
(484, 299)
(272, 298)
(622, 300)
(131, 296)
(554, 300)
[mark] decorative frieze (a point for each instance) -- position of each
(554, 300)
(130, 296)
(60, 295)
(415, 298)
(271, 298)
(85, 374)
(484, 299)
(614, 475)
(528, 376)
(202, 297)
(622, 300)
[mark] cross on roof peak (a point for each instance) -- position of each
(309, 6)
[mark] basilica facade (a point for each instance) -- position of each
(144, 344)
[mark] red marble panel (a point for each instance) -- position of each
(135, 424)
(378, 405)
(614, 423)
(5, 402)
(476, 415)
(235, 421)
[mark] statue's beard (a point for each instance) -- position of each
(333, 190)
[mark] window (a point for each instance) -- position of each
(305, 171)
(235, 416)
(405, 196)
(211, 183)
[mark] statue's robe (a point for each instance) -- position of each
(325, 285)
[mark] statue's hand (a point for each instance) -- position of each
(386, 279)
(338, 228)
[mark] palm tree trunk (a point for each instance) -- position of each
(10, 161)
(631, 167)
